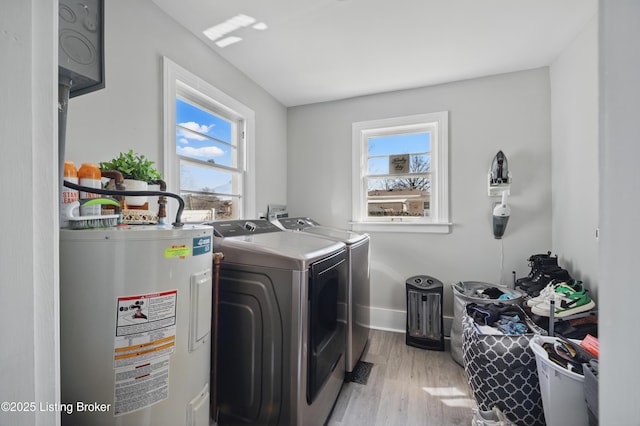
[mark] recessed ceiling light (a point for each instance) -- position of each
(228, 26)
(260, 26)
(228, 41)
(242, 20)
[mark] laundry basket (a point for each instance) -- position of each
(471, 292)
(502, 372)
(562, 390)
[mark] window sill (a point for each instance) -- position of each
(402, 227)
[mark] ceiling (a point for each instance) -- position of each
(322, 50)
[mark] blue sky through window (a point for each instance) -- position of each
(204, 136)
(379, 149)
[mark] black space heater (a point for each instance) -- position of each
(424, 313)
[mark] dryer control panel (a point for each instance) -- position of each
(234, 228)
(297, 223)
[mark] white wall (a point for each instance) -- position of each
(128, 112)
(28, 254)
(619, 182)
(574, 157)
(508, 112)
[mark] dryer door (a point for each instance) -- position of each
(327, 291)
(250, 347)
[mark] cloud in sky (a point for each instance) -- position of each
(192, 125)
(206, 152)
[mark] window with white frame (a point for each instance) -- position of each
(208, 148)
(400, 174)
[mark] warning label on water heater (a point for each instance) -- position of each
(144, 340)
(139, 386)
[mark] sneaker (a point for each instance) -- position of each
(555, 287)
(494, 417)
(570, 303)
(545, 293)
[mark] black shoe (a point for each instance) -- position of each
(559, 275)
(540, 275)
(538, 262)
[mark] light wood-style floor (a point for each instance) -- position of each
(407, 386)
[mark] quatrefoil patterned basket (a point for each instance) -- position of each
(502, 372)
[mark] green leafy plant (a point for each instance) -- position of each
(132, 166)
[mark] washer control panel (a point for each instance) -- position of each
(234, 228)
(297, 223)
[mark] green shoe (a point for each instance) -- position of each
(566, 304)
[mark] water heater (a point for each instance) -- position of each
(135, 322)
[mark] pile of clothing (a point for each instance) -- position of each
(567, 354)
(498, 318)
(493, 293)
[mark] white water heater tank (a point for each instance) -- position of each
(135, 320)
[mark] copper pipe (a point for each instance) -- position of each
(217, 259)
(163, 184)
(162, 200)
(117, 177)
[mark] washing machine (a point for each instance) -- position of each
(358, 286)
(281, 354)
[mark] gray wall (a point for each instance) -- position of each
(619, 182)
(574, 157)
(28, 283)
(508, 112)
(29, 336)
(128, 112)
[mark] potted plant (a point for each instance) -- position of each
(137, 171)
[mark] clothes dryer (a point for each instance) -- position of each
(281, 339)
(358, 286)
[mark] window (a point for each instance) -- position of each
(208, 148)
(400, 176)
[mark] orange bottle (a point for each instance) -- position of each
(68, 195)
(89, 175)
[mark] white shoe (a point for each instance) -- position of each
(495, 417)
(566, 304)
(556, 289)
(545, 294)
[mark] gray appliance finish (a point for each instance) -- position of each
(358, 288)
(280, 340)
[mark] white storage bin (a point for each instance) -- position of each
(562, 391)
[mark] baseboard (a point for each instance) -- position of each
(396, 320)
(388, 319)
